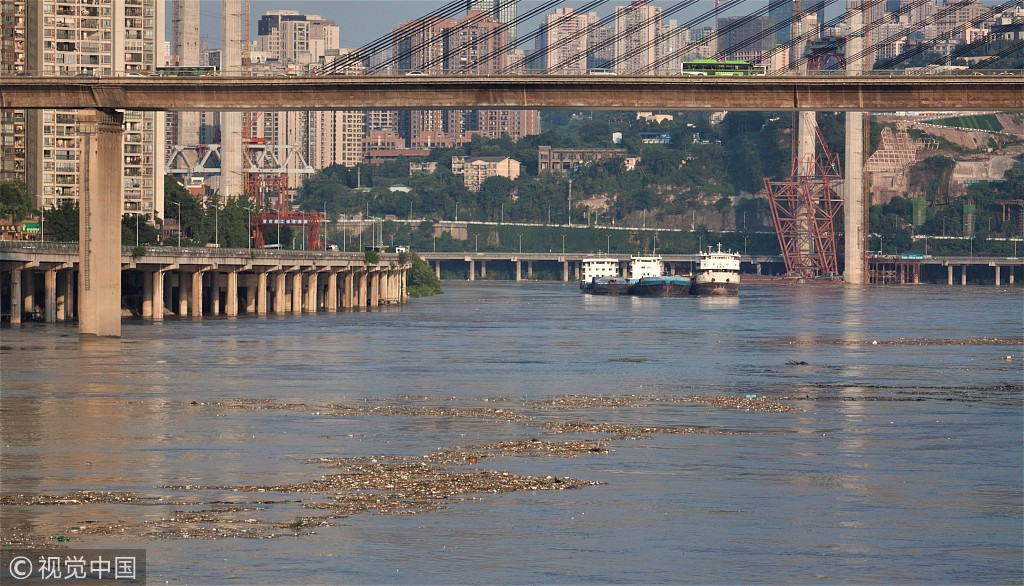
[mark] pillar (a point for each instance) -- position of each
(332, 292)
(28, 291)
(69, 294)
(437, 269)
(157, 284)
(280, 283)
(565, 270)
(853, 186)
(50, 294)
(62, 290)
(231, 122)
(311, 292)
(963, 274)
(297, 292)
(214, 293)
(625, 269)
(519, 270)
(1011, 275)
(483, 269)
(99, 225)
(231, 301)
(576, 270)
(529, 269)
(197, 294)
(183, 292)
(361, 295)
(16, 297)
(472, 270)
(996, 267)
(165, 286)
(347, 295)
(147, 294)
(374, 289)
(949, 274)
(261, 293)
(250, 297)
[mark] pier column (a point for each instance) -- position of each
(50, 294)
(197, 294)
(231, 298)
(157, 285)
(565, 270)
(280, 283)
(214, 292)
(332, 292)
(576, 270)
(62, 290)
(529, 269)
(483, 269)
(99, 224)
(949, 274)
(364, 275)
(519, 270)
(374, 278)
(147, 294)
(437, 269)
(997, 275)
(261, 293)
(16, 297)
(312, 288)
(405, 285)
(625, 268)
(297, 292)
(69, 294)
(168, 290)
(472, 270)
(184, 278)
(250, 296)
(963, 274)
(347, 295)
(28, 291)
(1010, 280)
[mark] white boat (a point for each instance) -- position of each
(718, 273)
(645, 266)
(600, 276)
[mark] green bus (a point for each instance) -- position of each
(703, 67)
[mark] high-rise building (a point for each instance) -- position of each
(563, 40)
(68, 38)
(735, 33)
(292, 37)
(636, 33)
(504, 11)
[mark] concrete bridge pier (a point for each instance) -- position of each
(231, 299)
(16, 298)
(157, 293)
(50, 295)
(69, 295)
(147, 294)
(312, 290)
(213, 292)
(565, 270)
(348, 295)
(197, 293)
(99, 294)
(184, 278)
(279, 286)
(963, 274)
(997, 274)
(529, 269)
(472, 270)
(28, 290)
(374, 288)
(297, 292)
(437, 269)
(949, 274)
(364, 277)
(332, 292)
(519, 270)
(483, 269)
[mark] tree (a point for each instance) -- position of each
(148, 234)
(15, 200)
(62, 222)
(422, 280)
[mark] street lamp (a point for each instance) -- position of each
(179, 223)
(137, 229)
(456, 211)
(608, 238)
(521, 245)
(563, 243)
(502, 213)
(476, 243)
(435, 243)
(972, 246)
(744, 246)
(216, 223)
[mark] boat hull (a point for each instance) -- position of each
(717, 284)
(609, 289)
(661, 287)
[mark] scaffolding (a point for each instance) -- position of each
(804, 209)
(897, 152)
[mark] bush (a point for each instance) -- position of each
(372, 257)
(422, 282)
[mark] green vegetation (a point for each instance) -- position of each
(15, 200)
(372, 257)
(422, 281)
(987, 122)
(62, 222)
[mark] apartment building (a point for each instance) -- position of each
(636, 31)
(562, 160)
(475, 170)
(69, 38)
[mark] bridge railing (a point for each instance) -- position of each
(72, 247)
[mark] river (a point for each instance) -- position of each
(525, 433)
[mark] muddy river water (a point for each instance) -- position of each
(505, 433)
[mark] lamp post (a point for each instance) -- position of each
(435, 243)
(179, 223)
(42, 223)
(502, 221)
(476, 243)
(136, 230)
(456, 211)
(521, 245)
(569, 214)
(563, 243)
(972, 246)
(744, 246)
(216, 223)
(608, 238)
(326, 225)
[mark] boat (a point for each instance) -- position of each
(661, 286)
(648, 279)
(608, 286)
(718, 273)
(599, 268)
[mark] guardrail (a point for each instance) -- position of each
(575, 73)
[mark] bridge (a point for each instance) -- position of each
(881, 91)
(100, 102)
(42, 280)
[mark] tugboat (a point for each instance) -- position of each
(649, 279)
(600, 276)
(719, 273)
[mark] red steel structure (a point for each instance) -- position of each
(804, 211)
